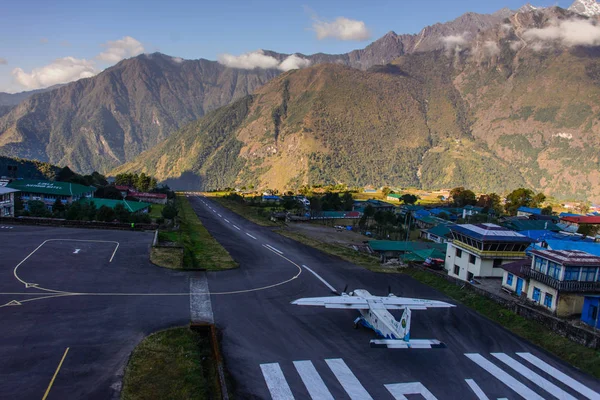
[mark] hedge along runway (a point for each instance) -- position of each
(73, 305)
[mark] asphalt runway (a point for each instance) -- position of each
(273, 349)
(83, 294)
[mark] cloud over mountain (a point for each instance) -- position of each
(573, 32)
(61, 70)
(258, 59)
(118, 50)
(341, 28)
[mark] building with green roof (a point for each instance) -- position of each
(49, 191)
(407, 251)
(131, 206)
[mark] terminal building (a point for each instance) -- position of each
(49, 191)
(7, 202)
(480, 250)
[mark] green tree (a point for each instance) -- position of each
(547, 210)
(19, 207)
(105, 214)
(37, 208)
(169, 211)
(520, 197)
(58, 208)
(408, 198)
(386, 190)
(537, 200)
(108, 192)
(347, 201)
(462, 197)
(75, 211)
(588, 229)
(121, 213)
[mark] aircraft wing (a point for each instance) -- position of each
(348, 302)
(394, 302)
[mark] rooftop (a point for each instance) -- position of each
(515, 266)
(530, 210)
(530, 225)
(149, 195)
(50, 187)
(582, 220)
(131, 206)
(5, 190)
(392, 245)
(588, 247)
(569, 257)
(489, 232)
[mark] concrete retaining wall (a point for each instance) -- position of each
(583, 336)
(75, 224)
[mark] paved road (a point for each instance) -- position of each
(276, 350)
(100, 328)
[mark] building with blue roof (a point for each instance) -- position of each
(527, 211)
(588, 245)
(480, 250)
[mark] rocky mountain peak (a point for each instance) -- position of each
(588, 8)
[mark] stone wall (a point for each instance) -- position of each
(586, 337)
(75, 224)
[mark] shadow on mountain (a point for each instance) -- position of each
(389, 69)
(586, 52)
(186, 181)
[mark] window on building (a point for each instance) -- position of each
(470, 276)
(588, 274)
(554, 270)
(548, 300)
(497, 262)
(536, 295)
(471, 258)
(456, 270)
(458, 253)
(572, 274)
(539, 264)
(509, 279)
(592, 312)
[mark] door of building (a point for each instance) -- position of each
(519, 286)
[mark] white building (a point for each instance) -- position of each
(7, 202)
(480, 250)
(560, 279)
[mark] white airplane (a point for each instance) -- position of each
(375, 315)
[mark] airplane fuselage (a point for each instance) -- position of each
(379, 319)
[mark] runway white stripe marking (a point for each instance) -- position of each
(475, 388)
(236, 227)
(319, 278)
(312, 380)
(273, 248)
(226, 220)
(76, 251)
(219, 215)
(276, 382)
(349, 382)
(564, 378)
(398, 390)
(503, 377)
(200, 305)
(533, 377)
(250, 236)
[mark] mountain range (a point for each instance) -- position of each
(487, 101)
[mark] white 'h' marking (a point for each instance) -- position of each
(398, 390)
(351, 385)
(503, 377)
(564, 378)
(312, 380)
(276, 382)
(533, 377)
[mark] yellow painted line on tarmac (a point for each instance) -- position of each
(55, 373)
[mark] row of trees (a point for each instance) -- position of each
(141, 182)
(520, 197)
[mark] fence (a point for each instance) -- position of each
(75, 224)
(561, 327)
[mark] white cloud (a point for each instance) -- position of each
(490, 48)
(294, 62)
(3, 61)
(117, 50)
(178, 60)
(254, 59)
(572, 32)
(341, 28)
(62, 70)
(258, 59)
(506, 27)
(455, 42)
(514, 46)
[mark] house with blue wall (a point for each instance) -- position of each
(589, 313)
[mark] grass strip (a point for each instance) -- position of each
(584, 358)
(172, 364)
(167, 257)
(156, 210)
(345, 253)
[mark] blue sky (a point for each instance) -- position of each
(35, 33)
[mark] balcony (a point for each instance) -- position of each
(565, 286)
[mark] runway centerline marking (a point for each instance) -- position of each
(319, 278)
(55, 374)
(236, 227)
(272, 248)
(219, 215)
(250, 236)
(226, 220)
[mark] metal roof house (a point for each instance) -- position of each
(7, 202)
(131, 206)
(527, 211)
(480, 250)
(49, 191)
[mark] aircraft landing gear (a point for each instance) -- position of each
(356, 321)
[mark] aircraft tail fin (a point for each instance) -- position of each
(404, 326)
(410, 344)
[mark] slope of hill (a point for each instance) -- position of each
(104, 121)
(27, 169)
(490, 115)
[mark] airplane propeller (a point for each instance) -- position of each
(343, 292)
